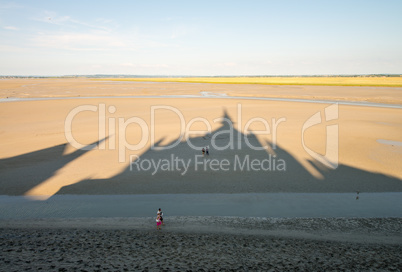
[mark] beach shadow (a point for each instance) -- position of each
(20, 174)
(274, 170)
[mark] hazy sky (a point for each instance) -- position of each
(200, 37)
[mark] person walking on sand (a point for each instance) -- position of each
(160, 213)
(158, 222)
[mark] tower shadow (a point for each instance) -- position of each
(237, 163)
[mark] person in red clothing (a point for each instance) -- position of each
(160, 213)
(158, 222)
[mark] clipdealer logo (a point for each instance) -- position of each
(331, 156)
(237, 138)
(185, 133)
(200, 163)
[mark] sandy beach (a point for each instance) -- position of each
(39, 163)
(268, 135)
(35, 151)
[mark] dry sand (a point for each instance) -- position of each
(37, 160)
(202, 244)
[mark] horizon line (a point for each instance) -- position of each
(200, 76)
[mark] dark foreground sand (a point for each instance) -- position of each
(202, 244)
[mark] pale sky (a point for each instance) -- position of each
(200, 37)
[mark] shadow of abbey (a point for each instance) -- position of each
(183, 169)
(230, 170)
(21, 173)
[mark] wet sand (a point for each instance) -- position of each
(202, 244)
(275, 205)
(76, 87)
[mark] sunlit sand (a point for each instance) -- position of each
(37, 159)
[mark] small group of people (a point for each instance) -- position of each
(159, 219)
(205, 151)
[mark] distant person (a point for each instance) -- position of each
(158, 222)
(207, 151)
(160, 213)
(203, 151)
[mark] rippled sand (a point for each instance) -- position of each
(202, 244)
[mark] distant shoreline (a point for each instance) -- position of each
(314, 80)
(363, 81)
